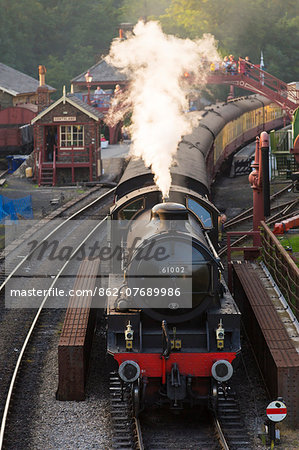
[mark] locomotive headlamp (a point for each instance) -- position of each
(129, 335)
(129, 371)
(222, 370)
(220, 336)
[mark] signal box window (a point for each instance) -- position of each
(71, 136)
(201, 213)
(130, 210)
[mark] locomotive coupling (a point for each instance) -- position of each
(129, 335)
(220, 336)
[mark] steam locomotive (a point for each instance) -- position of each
(173, 329)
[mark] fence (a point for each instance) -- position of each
(283, 269)
(283, 163)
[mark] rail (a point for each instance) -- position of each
(30, 332)
(282, 268)
(36, 318)
(75, 214)
(222, 440)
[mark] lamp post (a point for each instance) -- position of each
(88, 78)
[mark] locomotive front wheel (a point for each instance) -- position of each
(136, 397)
(214, 395)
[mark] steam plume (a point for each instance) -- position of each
(155, 64)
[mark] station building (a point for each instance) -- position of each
(67, 145)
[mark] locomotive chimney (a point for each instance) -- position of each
(168, 214)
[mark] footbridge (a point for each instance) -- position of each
(253, 78)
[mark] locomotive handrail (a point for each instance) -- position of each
(166, 340)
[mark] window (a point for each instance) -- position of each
(71, 136)
(130, 210)
(201, 213)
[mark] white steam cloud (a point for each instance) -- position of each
(155, 64)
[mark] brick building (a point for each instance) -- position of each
(67, 142)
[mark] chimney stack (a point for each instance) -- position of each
(42, 75)
(43, 95)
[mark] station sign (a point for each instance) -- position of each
(276, 411)
(65, 119)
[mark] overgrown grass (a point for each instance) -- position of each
(290, 240)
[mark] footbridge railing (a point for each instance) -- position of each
(282, 268)
(253, 78)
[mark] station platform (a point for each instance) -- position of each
(273, 331)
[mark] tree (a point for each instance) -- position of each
(243, 28)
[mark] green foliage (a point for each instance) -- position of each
(67, 36)
(243, 28)
(133, 10)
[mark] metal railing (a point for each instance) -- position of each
(282, 268)
(101, 101)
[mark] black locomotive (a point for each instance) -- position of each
(173, 328)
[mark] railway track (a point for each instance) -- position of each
(278, 212)
(159, 429)
(30, 322)
(14, 263)
(247, 214)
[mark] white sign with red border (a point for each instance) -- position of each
(276, 411)
(64, 119)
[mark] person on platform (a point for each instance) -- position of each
(248, 65)
(232, 65)
(116, 94)
(97, 96)
(117, 89)
(225, 64)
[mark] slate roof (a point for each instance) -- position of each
(92, 112)
(16, 83)
(101, 72)
(86, 106)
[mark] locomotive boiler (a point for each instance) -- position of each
(173, 329)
